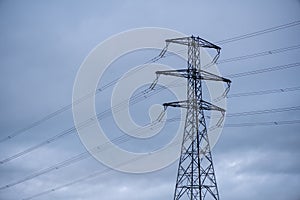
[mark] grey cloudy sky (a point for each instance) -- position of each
(43, 44)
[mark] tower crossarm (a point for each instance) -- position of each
(195, 42)
(189, 41)
(192, 41)
(209, 106)
(181, 104)
(195, 74)
(204, 105)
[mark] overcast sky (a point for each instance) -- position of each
(43, 43)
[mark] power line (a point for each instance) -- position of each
(264, 53)
(238, 58)
(83, 178)
(101, 172)
(125, 138)
(263, 92)
(266, 111)
(264, 70)
(247, 124)
(272, 123)
(256, 33)
(107, 112)
(137, 98)
(77, 158)
(67, 107)
(254, 55)
(249, 56)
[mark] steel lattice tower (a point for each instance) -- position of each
(196, 176)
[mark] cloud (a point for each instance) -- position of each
(43, 45)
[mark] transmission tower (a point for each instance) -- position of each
(196, 176)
